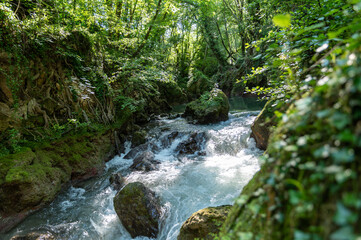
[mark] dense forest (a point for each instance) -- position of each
(79, 78)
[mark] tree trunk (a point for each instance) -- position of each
(149, 30)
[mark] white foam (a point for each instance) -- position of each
(185, 183)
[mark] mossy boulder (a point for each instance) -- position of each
(170, 90)
(145, 162)
(211, 107)
(32, 178)
(204, 224)
(6, 95)
(198, 85)
(139, 210)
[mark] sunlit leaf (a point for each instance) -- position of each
(283, 21)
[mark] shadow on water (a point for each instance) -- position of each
(236, 104)
(246, 104)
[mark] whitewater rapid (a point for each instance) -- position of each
(184, 183)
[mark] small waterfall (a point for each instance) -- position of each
(199, 166)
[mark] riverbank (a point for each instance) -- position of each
(185, 182)
(32, 178)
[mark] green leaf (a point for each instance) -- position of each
(283, 21)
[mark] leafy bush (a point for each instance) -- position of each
(309, 187)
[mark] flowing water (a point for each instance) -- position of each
(212, 176)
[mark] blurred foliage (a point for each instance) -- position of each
(308, 187)
(309, 36)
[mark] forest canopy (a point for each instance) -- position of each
(131, 53)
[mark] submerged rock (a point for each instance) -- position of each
(145, 162)
(117, 181)
(167, 140)
(35, 236)
(174, 116)
(193, 144)
(204, 224)
(211, 107)
(135, 151)
(140, 149)
(139, 210)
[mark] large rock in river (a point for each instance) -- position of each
(138, 209)
(204, 224)
(195, 143)
(145, 162)
(211, 107)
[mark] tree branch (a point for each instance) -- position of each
(149, 30)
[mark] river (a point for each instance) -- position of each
(213, 176)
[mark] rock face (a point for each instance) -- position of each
(138, 209)
(144, 162)
(35, 236)
(204, 224)
(211, 107)
(193, 144)
(261, 127)
(32, 178)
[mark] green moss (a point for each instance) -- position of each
(309, 185)
(198, 85)
(14, 164)
(211, 107)
(17, 174)
(242, 216)
(33, 177)
(204, 224)
(48, 158)
(139, 137)
(138, 209)
(171, 91)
